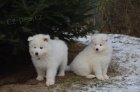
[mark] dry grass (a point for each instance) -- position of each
(123, 17)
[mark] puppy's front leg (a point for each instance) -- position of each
(40, 74)
(51, 73)
(98, 72)
(105, 68)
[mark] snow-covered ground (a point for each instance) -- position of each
(126, 53)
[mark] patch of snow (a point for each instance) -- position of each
(84, 40)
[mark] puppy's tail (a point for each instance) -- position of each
(67, 68)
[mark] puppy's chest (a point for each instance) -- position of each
(97, 59)
(41, 63)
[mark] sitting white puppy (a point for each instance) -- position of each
(94, 59)
(47, 56)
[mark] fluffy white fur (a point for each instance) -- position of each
(94, 59)
(47, 56)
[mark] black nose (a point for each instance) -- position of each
(97, 49)
(36, 53)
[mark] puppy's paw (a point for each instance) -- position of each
(40, 78)
(106, 77)
(100, 77)
(61, 74)
(90, 76)
(49, 82)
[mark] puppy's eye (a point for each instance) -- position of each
(41, 47)
(34, 47)
(100, 44)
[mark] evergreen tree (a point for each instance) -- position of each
(58, 18)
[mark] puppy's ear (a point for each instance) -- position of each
(46, 38)
(30, 38)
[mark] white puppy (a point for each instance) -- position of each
(94, 59)
(47, 56)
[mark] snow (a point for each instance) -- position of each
(126, 53)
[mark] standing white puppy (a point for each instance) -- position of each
(47, 56)
(94, 59)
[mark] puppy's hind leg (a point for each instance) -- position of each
(62, 68)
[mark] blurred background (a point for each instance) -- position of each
(64, 19)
